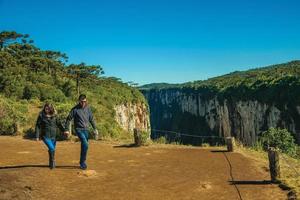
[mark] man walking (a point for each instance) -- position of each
(82, 116)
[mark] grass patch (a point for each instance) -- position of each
(289, 178)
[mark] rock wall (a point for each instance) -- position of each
(195, 113)
(132, 115)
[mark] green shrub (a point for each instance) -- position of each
(279, 138)
(29, 133)
(31, 91)
(141, 139)
(63, 110)
(145, 135)
(12, 114)
(298, 152)
(48, 92)
(161, 140)
(258, 146)
(176, 143)
(205, 145)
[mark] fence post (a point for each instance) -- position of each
(274, 164)
(137, 137)
(230, 144)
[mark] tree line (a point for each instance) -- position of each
(26, 71)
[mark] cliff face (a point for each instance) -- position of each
(191, 112)
(132, 115)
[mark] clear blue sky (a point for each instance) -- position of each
(171, 41)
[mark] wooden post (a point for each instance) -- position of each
(230, 144)
(137, 137)
(274, 164)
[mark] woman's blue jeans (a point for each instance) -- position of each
(50, 143)
(84, 138)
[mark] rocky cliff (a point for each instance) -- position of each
(132, 115)
(242, 104)
(193, 112)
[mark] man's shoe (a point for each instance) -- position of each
(83, 166)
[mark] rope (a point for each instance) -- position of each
(188, 135)
(231, 175)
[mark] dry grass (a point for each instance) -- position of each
(290, 167)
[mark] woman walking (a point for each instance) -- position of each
(46, 129)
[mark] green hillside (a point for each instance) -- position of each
(276, 83)
(158, 86)
(29, 76)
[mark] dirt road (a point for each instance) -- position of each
(117, 172)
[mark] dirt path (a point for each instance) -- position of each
(116, 172)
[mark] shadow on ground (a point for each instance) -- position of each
(219, 151)
(126, 146)
(38, 166)
(262, 182)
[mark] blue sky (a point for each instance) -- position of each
(173, 41)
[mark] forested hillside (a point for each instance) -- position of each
(29, 76)
(279, 82)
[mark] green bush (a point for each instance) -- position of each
(279, 138)
(258, 146)
(298, 152)
(145, 135)
(161, 140)
(205, 145)
(12, 114)
(48, 92)
(142, 138)
(29, 133)
(31, 91)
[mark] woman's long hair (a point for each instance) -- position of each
(51, 108)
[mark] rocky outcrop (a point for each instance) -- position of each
(192, 112)
(132, 115)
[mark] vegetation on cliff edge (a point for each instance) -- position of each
(29, 76)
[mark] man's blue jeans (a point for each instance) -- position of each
(50, 143)
(84, 138)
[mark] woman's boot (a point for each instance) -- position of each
(51, 159)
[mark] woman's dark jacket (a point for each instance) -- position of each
(47, 126)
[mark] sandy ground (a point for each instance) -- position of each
(120, 172)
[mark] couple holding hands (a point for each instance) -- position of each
(47, 125)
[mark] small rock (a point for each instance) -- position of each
(28, 187)
(204, 186)
(23, 152)
(87, 173)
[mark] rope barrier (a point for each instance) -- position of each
(188, 135)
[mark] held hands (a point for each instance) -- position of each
(96, 134)
(67, 133)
